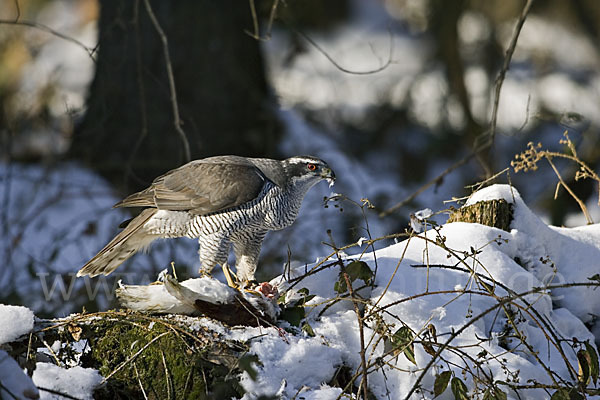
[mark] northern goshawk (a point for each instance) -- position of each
(223, 201)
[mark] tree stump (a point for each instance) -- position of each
(496, 213)
(141, 355)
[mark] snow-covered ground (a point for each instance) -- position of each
(55, 219)
(52, 220)
(494, 306)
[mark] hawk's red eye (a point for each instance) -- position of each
(311, 167)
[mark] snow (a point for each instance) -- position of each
(15, 321)
(431, 279)
(56, 219)
(77, 382)
(573, 251)
(14, 380)
(336, 341)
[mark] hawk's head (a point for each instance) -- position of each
(307, 170)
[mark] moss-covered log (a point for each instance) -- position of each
(496, 213)
(140, 355)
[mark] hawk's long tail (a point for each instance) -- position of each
(123, 246)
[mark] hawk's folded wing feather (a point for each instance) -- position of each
(201, 188)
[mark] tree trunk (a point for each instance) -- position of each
(222, 94)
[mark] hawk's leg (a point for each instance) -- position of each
(227, 272)
(214, 249)
(247, 249)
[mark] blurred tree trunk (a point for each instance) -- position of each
(223, 97)
(444, 18)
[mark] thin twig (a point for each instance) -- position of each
(52, 353)
(361, 332)
(337, 65)
(272, 17)
(141, 90)
(256, 33)
(133, 357)
(431, 182)
(18, 9)
(588, 217)
(57, 393)
(32, 24)
(175, 106)
(167, 377)
(140, 381)
(506, 66)
(501, 302)
(492, 133)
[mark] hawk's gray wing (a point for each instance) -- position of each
(201, 188)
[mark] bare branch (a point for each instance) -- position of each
(176, 118)
(431, 182)
(506, 66)
(32, 24)
(361, 331)
(343, 69)
(141, 91)
(54, 392)
(18, 9)
(581, 204)
(256, 32)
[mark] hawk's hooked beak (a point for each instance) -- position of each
(329, 175)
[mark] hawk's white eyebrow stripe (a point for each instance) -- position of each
(304, 160)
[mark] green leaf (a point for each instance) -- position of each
(281, 299)
(459, 389)
(245, 364)
(308, 329)
(567, 394)
(293, 315)
(402, 340)
(595, 277)
(359, 270)
(487, 395)
(584, 366)
(594, 369)
(306, 299)
(575, 395)
(560, 394)
(340, 286)
(494, 393)
(500, 395)
(428, 348)
(441, 383)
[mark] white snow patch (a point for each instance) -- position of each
(495, 192)
(424, 213)
(553, 255)
(77, 382)
(15, 321)
(402, 273)
(15, 380)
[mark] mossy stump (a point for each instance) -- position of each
(495, 213)
(154, 357)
